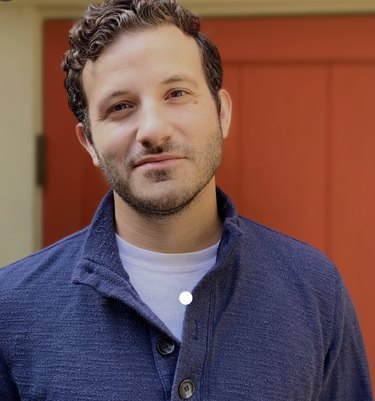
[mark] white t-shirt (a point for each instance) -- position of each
(160, 278)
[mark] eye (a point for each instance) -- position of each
(119, 107)
(177, 93)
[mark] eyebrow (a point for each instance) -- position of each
(180, 78)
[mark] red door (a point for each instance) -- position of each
(300, 155)
(73, 187)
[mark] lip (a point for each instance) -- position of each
(156, 160)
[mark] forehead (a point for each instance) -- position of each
(147, 56)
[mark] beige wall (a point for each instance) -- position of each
(20, 111)
(21, 95)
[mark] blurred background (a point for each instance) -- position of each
(301, 152)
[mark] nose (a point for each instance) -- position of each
(153, 128)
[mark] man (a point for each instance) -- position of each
(169, 294)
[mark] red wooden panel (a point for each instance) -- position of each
(284, 152)
(73, 187)
(294, 38)
(229, 174)
(353, 187)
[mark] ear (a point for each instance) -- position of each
(225, 111)
(80, 131)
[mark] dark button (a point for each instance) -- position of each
(186, 389)
(165, 346)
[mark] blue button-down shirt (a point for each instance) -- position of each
(271, 321)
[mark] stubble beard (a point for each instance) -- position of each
(171, 203)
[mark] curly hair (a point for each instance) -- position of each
(101, 24)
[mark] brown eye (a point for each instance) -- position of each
(178, 93)
(119, 107)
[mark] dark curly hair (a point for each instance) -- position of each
(101, 24)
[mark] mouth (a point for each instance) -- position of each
(157, 161)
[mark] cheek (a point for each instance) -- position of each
(111, 141)
(199, 122)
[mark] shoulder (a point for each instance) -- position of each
(42, 265)
(291, 268)
(282, 250)
(33, 289)
(295, 275)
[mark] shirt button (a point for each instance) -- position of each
(165, 346)
(186, 389)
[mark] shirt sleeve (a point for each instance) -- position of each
(346, 373)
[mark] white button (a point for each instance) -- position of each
(186, 298)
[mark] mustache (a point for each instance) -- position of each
(151, 150)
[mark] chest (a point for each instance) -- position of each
(236, 350)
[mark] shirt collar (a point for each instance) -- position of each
(100, 246)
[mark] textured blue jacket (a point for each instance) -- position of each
(271, 321)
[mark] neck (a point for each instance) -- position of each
(195, 228)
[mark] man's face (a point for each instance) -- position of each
(155, 126)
